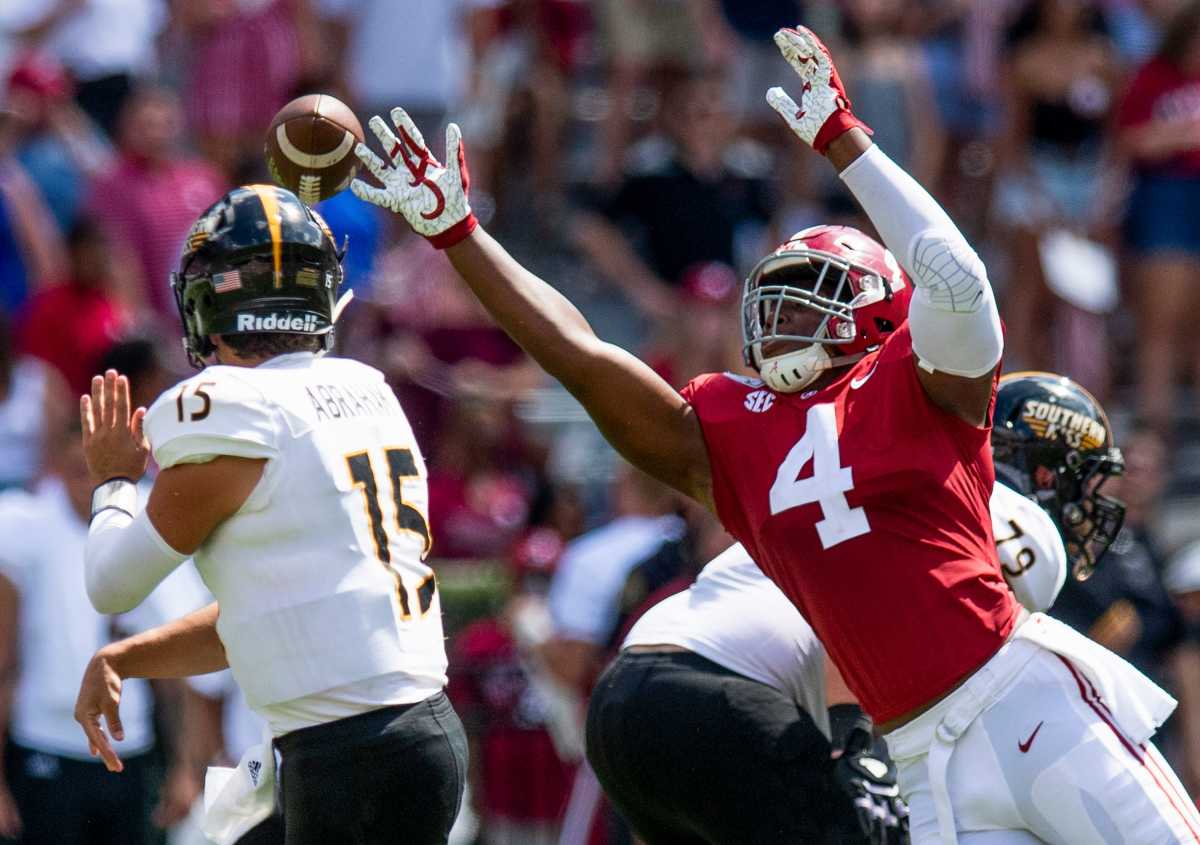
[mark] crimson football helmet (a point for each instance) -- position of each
(857, 289)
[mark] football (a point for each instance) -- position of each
(310, 146)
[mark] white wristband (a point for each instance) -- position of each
(118, 493)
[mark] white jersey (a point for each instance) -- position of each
(736, 617)
(327, 606)
(1030, 548)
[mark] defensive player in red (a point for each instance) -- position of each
(857, 473)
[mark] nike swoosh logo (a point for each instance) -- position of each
(1024, 746)
(856, 383)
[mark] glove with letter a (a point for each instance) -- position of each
(431, 196)
(867, 778)
(824, 111)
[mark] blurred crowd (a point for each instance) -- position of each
(622, 149)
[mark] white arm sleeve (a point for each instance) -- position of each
(124, 559)
(953, 318)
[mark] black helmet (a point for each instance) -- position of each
(1052, 442)
(258, 260)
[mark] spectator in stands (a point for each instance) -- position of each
(518, 99)
(107, 45)
(481, 482)
(586, 597)
(706, 337)
(517, 717)
(742, 34)
(1159, 129)
(643, 41)
(53, 789)
(695, 198)
(1061, 80)
(31, 247)
(33, 400)
(433, 339)
(152, 195)
(57, 143)
(71, 325)
(244, 63)
(888, 76)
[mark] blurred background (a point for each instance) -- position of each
(623, 150)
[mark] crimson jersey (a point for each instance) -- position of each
(868, 506)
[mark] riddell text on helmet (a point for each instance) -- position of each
(277, 323)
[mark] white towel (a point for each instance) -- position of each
(237, 799)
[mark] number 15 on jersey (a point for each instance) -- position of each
(400, 466)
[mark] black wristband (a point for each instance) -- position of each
(850, 728)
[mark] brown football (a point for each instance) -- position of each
(310, 146)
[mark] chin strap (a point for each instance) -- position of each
(794, 371)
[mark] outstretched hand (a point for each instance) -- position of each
(823, 113)
(431, 196)
(114, 442)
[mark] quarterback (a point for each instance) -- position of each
(295, 484)
(857, 474)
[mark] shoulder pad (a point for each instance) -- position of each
(213, 413)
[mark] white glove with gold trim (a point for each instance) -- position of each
(432, 197)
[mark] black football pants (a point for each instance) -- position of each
(394, 775)
(692, 753)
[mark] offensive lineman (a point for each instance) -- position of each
(857, 474)
(730, 666)
(296, 485)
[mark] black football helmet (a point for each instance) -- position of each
(258, 260)
(1052, 442)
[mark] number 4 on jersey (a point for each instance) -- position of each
(827, 485)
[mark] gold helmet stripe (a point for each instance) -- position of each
(270, 203)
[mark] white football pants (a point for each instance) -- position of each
(1028, 751)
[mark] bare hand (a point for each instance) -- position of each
(113, 440)
(10, 817)
(100, 695)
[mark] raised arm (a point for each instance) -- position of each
(953, 319)
(641, 415)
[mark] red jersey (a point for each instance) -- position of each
(1161, 91)
(868, 506)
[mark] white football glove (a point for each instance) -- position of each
(824, 112)
(429, 195)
